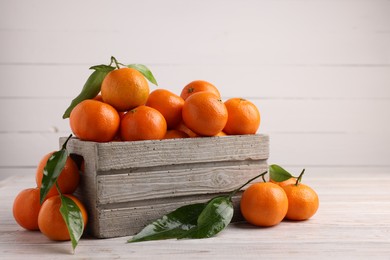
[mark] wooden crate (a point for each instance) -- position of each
(126, 185)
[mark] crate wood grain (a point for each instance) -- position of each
(126, 185)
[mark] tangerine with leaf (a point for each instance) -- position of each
(303, 200)
(125, 89)
(51, 222)
(67, 181)
(117, 86)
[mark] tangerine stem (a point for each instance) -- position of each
(112, 60)
(66, 142)
(254, 178)
(115, 61)
(299, 177)
(58, 189)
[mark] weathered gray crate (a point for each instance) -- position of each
(126, 185)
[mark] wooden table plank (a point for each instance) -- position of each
(353, 221)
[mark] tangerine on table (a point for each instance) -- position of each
(303, 201)
(67, 181)
(125, 89)
(50, 220)
(143, 123)
(26, 208)
(198, 86)
(264, 204)
(244, 117)
(92, 120)
(205, 113)
(169, 105)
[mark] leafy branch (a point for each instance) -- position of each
(69, 210)
(200, 220)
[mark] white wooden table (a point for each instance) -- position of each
(353, 222)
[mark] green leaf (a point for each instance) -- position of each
(201, 220)
(172, 225)
(278, 174)
(73, 218)
(102, 67)
(52, 171)
(214, 218)
(91, 87)
(145, 71)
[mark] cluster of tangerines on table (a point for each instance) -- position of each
(282, 197)
(30, 214)
(125, 110)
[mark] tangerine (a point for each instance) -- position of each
(204, 113)
(171, 134)
(125, 89)
(222, 133)
(98, 98)
(51, 222)
(92, 120)
(303, 201)
(143, 123)
(183, 128)
(244, 117)
(198, 86)
(67, 181)
(169, 104)
(264, 204)
(26, 208)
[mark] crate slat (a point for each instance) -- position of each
(168, 181)
(189, 150)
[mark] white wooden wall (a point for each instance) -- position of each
(319, 70)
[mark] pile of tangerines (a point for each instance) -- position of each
(31, 215)
(126, 111)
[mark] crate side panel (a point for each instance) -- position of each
(123, 155)
(176, 181)
(127, 221)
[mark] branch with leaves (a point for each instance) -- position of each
(200, 220)
(69, 210)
